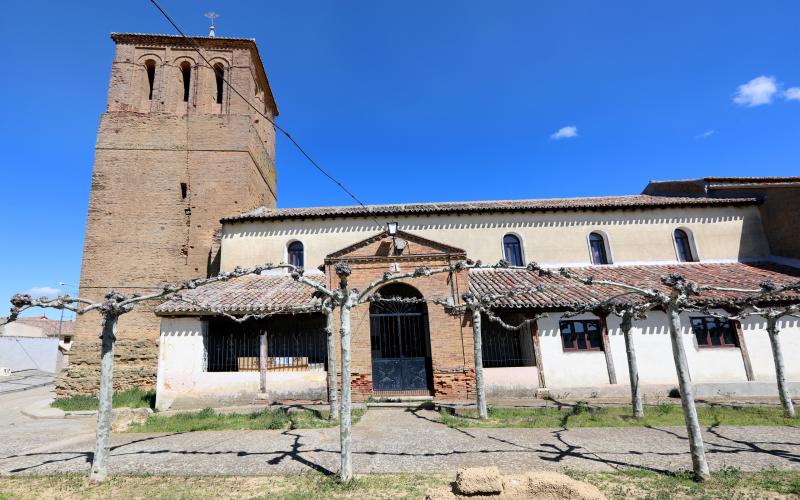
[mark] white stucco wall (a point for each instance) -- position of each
(654, 355)
(521, 381)
(651, 340)
(758, 345)
(569, 369)
(555, 238)
(182, 381)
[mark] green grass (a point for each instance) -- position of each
(133, 398)
(583, 415)
(210, 420)
(311, 486)
(728, 483)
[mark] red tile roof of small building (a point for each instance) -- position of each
(556, 291)
(247, 294)
(628, 202)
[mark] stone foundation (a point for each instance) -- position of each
(135, 363)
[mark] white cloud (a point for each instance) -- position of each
(565, 133)
(760, 90)
(43, 291)
(792, 94)
(705, 135)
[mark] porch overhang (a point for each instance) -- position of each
(539, 291)
(252, 294)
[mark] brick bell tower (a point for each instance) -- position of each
(176, 151)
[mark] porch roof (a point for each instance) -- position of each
(247, 294)
(555, 291)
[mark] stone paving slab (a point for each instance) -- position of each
(394, 440)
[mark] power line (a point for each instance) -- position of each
(270, 120)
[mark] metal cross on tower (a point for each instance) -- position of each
(212, 15)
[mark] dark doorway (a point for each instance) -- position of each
(401, 358)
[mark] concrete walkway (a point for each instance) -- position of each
(25, 380)
(397, 440)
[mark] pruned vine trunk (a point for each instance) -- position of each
(699, 464)
(633, 368)
(480, 388)
(99, 471)
(333, 391)
(780, 374)
(345, 424)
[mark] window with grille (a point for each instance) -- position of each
(295, 343)
(714, 332)
(581, 335)
(502, 348)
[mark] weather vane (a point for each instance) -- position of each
(212, 15)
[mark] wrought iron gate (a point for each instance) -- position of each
(400, 347)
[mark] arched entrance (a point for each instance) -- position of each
(401, 351)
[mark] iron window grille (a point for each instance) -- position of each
(714, 332)
(512, 250)
(502, 348)
(581, 335)
(293, 344)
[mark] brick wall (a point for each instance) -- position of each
(165, 172)
(450, 335)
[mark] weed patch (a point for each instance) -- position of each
(583, 415)
(132, 398)
(210, 420)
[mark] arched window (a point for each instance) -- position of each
(683, 246)
(219, 72)
(150, 67)
(186, 74)
(295, 251)
(512, 250)
(597, 246)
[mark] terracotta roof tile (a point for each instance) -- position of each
(559, 292)
(629, 202)
(247, 294)
(254, 294)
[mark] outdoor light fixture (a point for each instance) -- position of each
(392, 228)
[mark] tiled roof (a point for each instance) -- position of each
(629, 202)
(247, 294)
(275, 293)
(558, 291)
(49, 327)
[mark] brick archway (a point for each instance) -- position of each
(400, 342)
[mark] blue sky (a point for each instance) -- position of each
(419, 101)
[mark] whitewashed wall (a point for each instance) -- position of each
(654, 354)
(554, 238)
(569, 369)
(182, 381)
(758, 345)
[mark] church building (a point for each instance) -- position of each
(185, 185)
